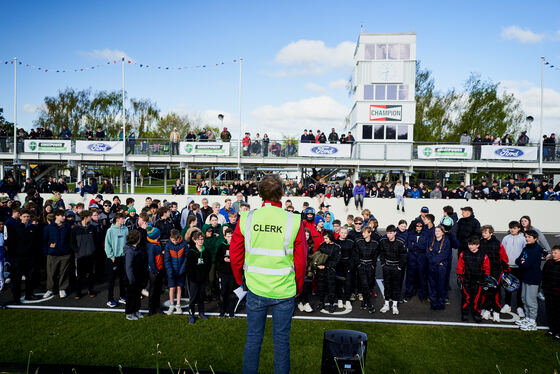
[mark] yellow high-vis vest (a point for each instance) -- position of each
(270, 233)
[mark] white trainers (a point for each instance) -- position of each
(485, 314)
(340, 304)
(300, 307)
(531, 325)
(178, 310)
(47, 294)
(385, 308)
(395, 310)
(62, 294)
(139, 315)
(131, 317)
(170, 310)
(307, 308)
(520, 312)
(522, 321)
(496, 316)
(360, 297)
(505, 309)
(348, 305)
(145, 293)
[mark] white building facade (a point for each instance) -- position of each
(384, 80)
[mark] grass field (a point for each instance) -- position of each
(83, 338)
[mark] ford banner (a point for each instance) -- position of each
(512, 153)
(324, 150)
(94, 147)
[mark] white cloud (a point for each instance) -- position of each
(106, 54)
(521, 35)
(31, 108)
(530, 97)
(290, 118)
(339, 84)
(313, 57)
(315, 88)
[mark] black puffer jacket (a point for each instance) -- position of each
(467, 227)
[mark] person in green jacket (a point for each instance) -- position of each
(114, 249)
(213, 237)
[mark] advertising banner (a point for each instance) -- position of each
(385, 113)
(99, 147)
(204, 149)
(445, 151)
(47, 146)
(504, 152)
(324, 150)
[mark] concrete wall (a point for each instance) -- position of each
(544, 214)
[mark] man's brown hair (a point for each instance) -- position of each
(271, 188)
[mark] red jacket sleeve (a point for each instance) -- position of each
(300, 258)
(504, 258)
(486, 265)
(460, 265)
(237, 254)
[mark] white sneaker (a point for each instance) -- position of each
(531, 325)
(307, 308)
(496, 316)
(348, 305)
(395, 310)
(145, 293)
(62, 294)
(505, 309)
(170, 310)
(340, 304)
(178, 310)
(139, 315)
(47, 294)
(131, 317)
(300, 307)
(485, 314)
(520, 312)
(384, 309)
(522, 321)
(360, 297)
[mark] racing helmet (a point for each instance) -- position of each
(509, 282)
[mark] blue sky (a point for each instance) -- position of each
(296, 54)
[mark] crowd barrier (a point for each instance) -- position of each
(544, 214)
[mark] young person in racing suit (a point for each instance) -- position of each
(326, 274)
(366, 261)
(392, 254)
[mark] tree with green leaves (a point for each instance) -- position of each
(69, 108)
(143, 116)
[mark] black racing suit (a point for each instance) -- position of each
(344, 269)
(393, 258)
(366, 261)
(327, 277)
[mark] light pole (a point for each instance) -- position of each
(541, 153)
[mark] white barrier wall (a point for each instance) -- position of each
(544, 214)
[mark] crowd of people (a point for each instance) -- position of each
(80, 247)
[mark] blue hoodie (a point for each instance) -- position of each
(56, 239)
(175, 258)
(115, 241)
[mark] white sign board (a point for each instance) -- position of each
(385, 113)
(204, 148)
(324, 150)
(504, 152)
(47, 146)
(445, 151)
(99, 147)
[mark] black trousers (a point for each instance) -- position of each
(115, 270)
(85, 275)
(174, 148)
(343, 281)
(471, 298)
(366, 276)
(156, 282)
(23, 267)
(327, 285)
(198, 293)
(347, 199)
(392, 282)
(133, 296)
(226, 282)
(305, 296)
(552, 305)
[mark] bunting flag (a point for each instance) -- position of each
(112, 62)
(550, 65)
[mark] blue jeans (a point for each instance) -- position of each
(282, 311)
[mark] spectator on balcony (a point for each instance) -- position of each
(290, 149)
(203, 135)
(303, 138)
(333, 137)
(497, 141)
(33, 134)
(65, 134)
(549, 149)
(211, 136)
(477, 144)
(191, 136)
(246, 142)
(350, 138)
(523, 139)
(342, 139)
(99, 134)
(507, 140)
(275, 149)
(265, 145)
(174, 139)
(47, 133)
(310, 137)
(178, 188)
(225, 135)
(465, 139)
(320, 138)
(256, 148)
(3, 138)
(131, 143)
(88, 134)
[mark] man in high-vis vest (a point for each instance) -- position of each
(268, 254)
